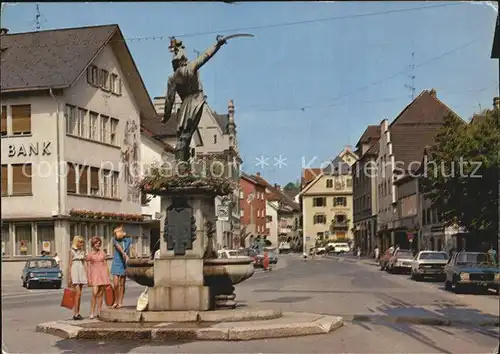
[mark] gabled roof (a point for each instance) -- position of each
(337, 167)
(56, 59)
(417, 126)
(308, 175)
(251, 179)
(277, 195)
(371, 132)
(222, 121)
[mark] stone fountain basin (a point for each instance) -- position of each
(236, 269)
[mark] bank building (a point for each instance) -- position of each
(72, 101)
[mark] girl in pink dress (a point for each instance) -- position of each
(98, 275)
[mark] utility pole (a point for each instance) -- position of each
(412, 76)
(37, 17)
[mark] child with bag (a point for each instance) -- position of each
(98, 275)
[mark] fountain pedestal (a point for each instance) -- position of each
(178, 274)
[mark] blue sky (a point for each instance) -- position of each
(306, 90)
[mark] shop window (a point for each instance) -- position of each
(106, 239)
(145, 243)
(71, 178)
(6, 241)
(46, 238)
(83, 180)
(21, 179)
(24, 240)
(21, 119)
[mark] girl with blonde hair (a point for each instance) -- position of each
(77, 276)
(121, 244)
(98, 275)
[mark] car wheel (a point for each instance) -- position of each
(24, 284)
(29, 285)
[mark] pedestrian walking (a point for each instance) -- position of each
(493, 254)
(121, 244)
(77, 276)
(358, 252)
(98, 275)
(376, 253)
(265, 262)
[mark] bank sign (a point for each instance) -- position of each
(43, 148)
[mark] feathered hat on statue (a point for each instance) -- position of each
(177, 48)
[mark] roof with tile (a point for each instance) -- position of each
(56, 59)
(308, 175)
(277, 195)
(416, 127)
(371, 132)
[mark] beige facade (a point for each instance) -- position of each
(70, 167)
(327, 204)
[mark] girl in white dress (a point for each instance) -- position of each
(77, 276)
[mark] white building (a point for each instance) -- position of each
(216, 137)
(72, 102)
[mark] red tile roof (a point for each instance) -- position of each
(308, 175)
(277, 195)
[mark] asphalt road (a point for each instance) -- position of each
(325, 286)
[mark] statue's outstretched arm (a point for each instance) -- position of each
(169, 99)
(206, 55)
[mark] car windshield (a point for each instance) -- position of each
(43, 263)
(404, 254)
(474, 259)
(434, 255)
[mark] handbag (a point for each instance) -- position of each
(142, 302)
(68, 299)
(109, 295)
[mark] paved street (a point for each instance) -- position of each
(324, 285)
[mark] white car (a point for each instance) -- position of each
(341, 247)
(229, 254)
(400, 261)
(429, 264)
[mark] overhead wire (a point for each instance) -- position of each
(258, 27)
(380, 81)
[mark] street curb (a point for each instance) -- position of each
(429, 321)
(200, 331)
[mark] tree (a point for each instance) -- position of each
(461, 172)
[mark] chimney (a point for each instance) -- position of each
(4, 31)
(496, 103)
(258, 174)
(433, 93)
(277, 186)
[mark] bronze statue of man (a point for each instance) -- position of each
(186, 83)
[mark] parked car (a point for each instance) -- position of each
(341, 247)
(258, 257)
(41, 270)
(429, 264)
(229, 254)
(384, 259)
(474, 270)
(400, 261)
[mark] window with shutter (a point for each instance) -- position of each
(4, 120)
(94, 181)
(21, 179)
(4, 179)
(71, 178)
(113, 127)
(83, 180)
(21, 119)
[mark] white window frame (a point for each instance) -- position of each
(104, 129)
(93, 125)
(81, 122)
(71, 119)
(113, 131)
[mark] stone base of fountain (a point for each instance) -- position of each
(221, 325)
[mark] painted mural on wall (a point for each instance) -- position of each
(130, 161)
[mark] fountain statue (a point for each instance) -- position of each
(188, 275)
(187, 280)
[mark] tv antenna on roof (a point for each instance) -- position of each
(412, 76)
